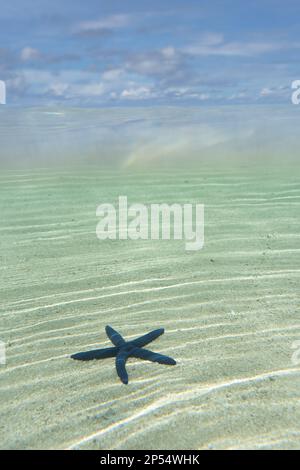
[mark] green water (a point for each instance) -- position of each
(230, 310)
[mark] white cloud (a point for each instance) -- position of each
(266, 92)
(73, 90)
(168, 52)
(186, 92)
(278, 91)
(112, 75)
(29, 53)
(59, 89)
(230, 49)
(203, 96)
(91, 89)
(65, 84)
(238, 96)
(161, 63)
(214, 44)
(136, 93)
(212, 39)
(104, 24)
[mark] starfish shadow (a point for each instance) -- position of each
(122, 350)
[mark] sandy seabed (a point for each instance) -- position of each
(231, 313)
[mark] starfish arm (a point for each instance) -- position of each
(114, 336)
(121, 359)
(148, 338)
(152, 356)
(95, 354)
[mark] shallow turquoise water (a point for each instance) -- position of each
(231, 312)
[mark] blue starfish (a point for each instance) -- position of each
(122, 350)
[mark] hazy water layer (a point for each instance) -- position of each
(143, 137)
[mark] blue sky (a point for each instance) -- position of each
(171, 52)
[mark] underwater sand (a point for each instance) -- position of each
(231, 313)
